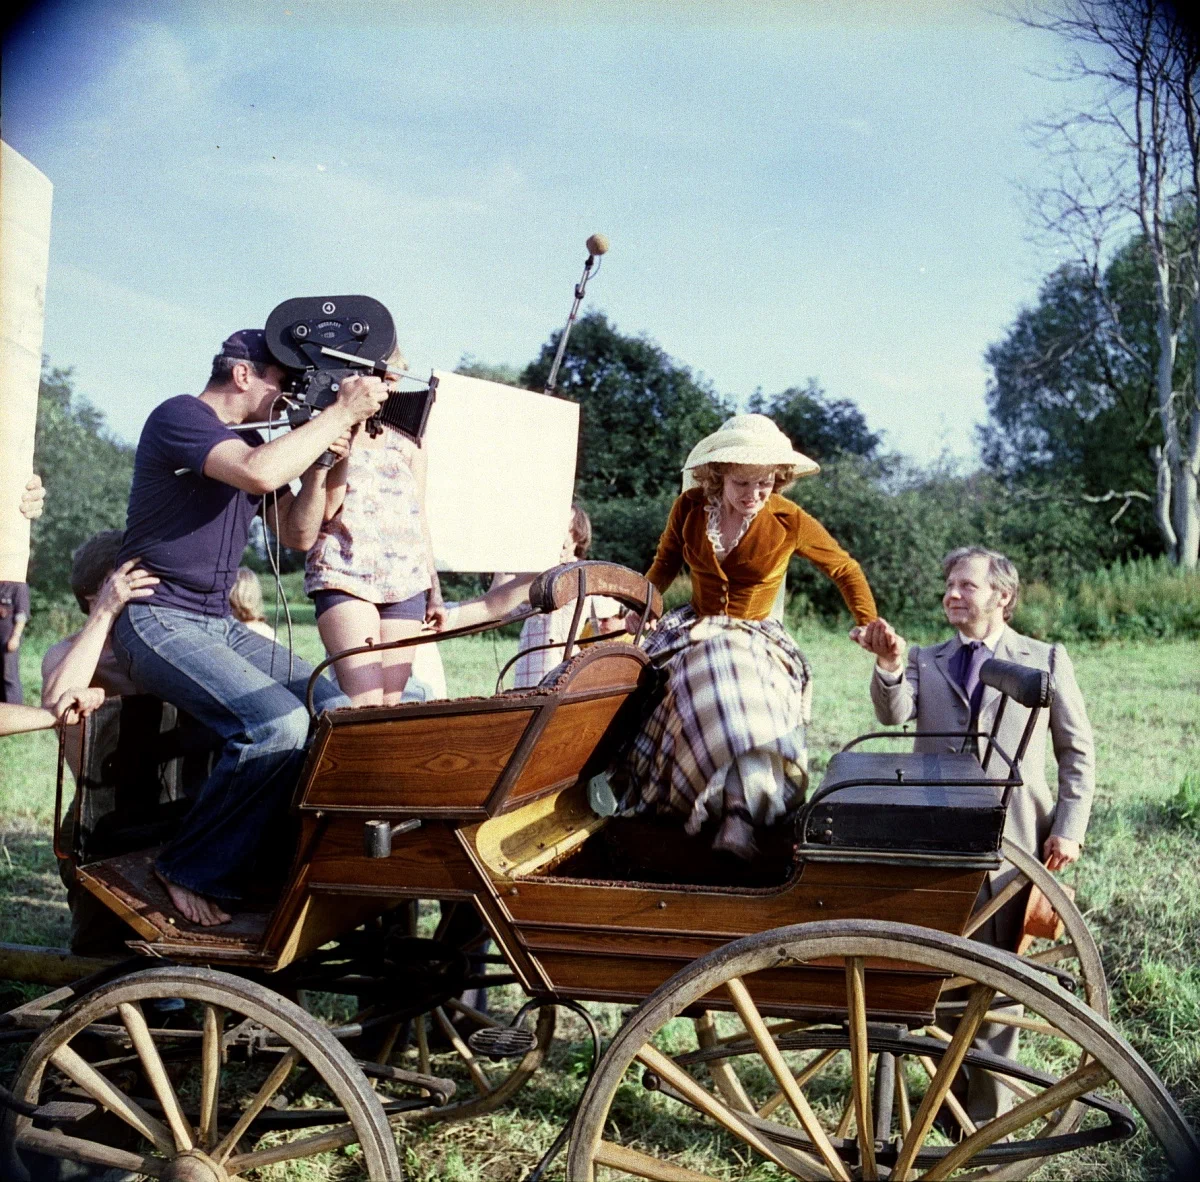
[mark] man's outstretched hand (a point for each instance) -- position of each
(880, 638)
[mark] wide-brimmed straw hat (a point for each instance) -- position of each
(749, 439)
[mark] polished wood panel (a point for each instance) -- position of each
(606, 665)
(322, 918)
(541, 833)
(564, 747)
(428, 863)
(731, 914)
(798, 992)
(426, 763)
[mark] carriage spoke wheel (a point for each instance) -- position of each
(484, 1084)
(469, 990)
(200, 1097)
(1070, 955)
(855, 1097)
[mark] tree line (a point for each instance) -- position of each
(1052, 440)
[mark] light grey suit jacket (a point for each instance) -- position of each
(928, 692)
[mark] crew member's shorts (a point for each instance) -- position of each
(412, 608)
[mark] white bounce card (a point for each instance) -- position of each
(25, 198)
(501, 471)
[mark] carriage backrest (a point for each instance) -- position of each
(141, 760)
(473, 758)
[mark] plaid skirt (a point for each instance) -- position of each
(729, 731)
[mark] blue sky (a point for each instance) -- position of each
(791, 190)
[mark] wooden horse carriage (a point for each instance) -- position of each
(811, 1015)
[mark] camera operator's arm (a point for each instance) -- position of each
(296, 519)
(265, 468)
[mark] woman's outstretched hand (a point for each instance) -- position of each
(881, 639)
(633, 621)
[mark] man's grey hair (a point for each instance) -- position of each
(1002, 573)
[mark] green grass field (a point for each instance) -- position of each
(1137, 885)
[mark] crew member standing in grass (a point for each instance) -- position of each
(196, 487)
(939, 687)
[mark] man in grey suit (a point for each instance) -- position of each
(939, 687)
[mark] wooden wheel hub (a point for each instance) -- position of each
(194, 1166)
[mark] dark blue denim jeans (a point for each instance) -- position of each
(235, 682)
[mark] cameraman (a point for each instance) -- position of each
(196, 487)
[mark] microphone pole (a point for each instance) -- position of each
(597, 244)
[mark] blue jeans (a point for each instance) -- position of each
(220, 672)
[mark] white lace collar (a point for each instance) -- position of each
(713, 528)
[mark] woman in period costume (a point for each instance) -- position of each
(726, 742)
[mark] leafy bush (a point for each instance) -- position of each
(1143, 599)
(87, 474)
(1184, 807)
(627, 530)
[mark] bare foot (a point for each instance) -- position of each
(193, 906)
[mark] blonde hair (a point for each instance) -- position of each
(711, 477)
(245, 596)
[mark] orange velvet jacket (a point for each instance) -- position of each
(746, 583)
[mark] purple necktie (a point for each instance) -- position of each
(973, 657)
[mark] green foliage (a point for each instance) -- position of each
(1072, 404)
(898, 521)
(817, 425)
(1142, 599)
(626, 530)
(87, 474)
(640, 412)
(1184, 807)
(470, 366)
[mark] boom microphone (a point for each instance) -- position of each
(597, 244)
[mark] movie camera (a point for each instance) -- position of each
(322, 340)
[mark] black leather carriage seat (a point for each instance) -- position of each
(905, 801)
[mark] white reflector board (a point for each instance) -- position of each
(501, 471)
(25, 196)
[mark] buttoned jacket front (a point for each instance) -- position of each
(745, 582)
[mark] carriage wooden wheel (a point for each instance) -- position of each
(1071, 949)
(799, 1116)
(467, 989)
(236, 1080)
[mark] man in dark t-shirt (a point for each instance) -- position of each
(196, 487)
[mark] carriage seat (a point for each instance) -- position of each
(142, 761)
(474, 758)
(905, 801)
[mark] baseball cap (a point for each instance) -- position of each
(248, 344)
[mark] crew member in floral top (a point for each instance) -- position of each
(370, 572)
